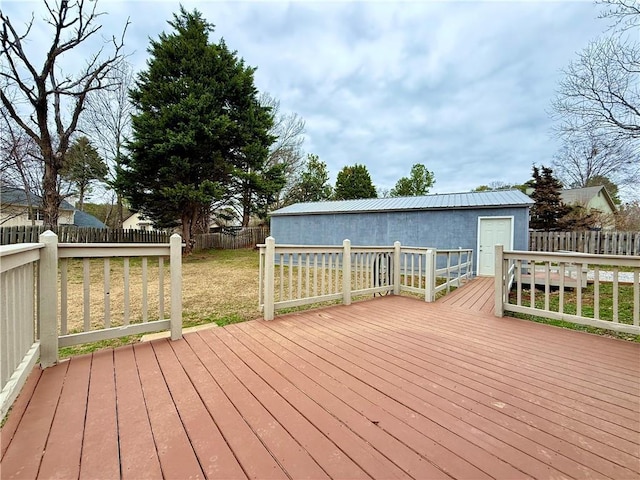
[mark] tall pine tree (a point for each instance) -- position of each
(548, 210)
(199, 131)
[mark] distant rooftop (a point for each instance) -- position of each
(84, 219)
(494, 199)
(16, 196)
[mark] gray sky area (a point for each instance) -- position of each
(462, 87)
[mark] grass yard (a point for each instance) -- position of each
(625, 307)
(219, 286)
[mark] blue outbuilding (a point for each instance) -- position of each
(476, 220)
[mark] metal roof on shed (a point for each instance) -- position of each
(494, 199)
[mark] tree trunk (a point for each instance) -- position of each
(81, 200)
(50, 197)
(189, 219)
(120, 210)
(246, 205)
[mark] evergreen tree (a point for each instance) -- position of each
(548, 210)
(200, 131)
(313, 183)
(416, 184)
(82, 166)
(354, 182)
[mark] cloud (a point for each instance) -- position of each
(463, 87)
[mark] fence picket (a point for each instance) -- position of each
(603, 243)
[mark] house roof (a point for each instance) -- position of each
(582, 196)
(494, 199)
(84, 219)
(17, 196)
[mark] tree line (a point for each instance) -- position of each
(187, 140)
(190, 138)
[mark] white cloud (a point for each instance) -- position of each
(463, 87)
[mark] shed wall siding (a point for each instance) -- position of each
(441, 229)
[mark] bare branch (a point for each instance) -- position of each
(48, 95)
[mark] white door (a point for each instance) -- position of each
(492, 231)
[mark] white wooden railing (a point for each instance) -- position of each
(35, 287)
(19, 345)
(296, 275)
(585, 275)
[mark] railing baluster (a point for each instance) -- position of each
(533, 284)
(290, 260)
(145, 307)
(299, 267)
(107, 293)
(321, 262)
(64, 294)
(126, 312)
(547, 283)
(86, 284)
(519, 282)
(579, 289)
(315, 274)
(161, 288)
(281, 279)
(616, 292)
(307, 273)
(596, 292)
(562, 273)
(636, 297)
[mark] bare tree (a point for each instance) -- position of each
(20, 165)
(45, 91)
(288, 128)
(624, 14)
(600, 92)
(107, 121)
(584, 157)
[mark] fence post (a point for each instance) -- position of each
(430, 276)
(269, 269)
(499, 281)
(48, 299)
(346, 272)
(175, 249)
(396, 267)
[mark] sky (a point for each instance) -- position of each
(462, 87)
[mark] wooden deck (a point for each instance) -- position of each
(387, 388)
(477, 296)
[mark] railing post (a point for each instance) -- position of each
(430, 276)
(175, 247)
(397, 250)
(269, 268)
(499, 281)
(346, 272)
(48, 299)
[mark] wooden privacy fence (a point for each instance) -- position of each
(71, 234)
(603, 243)
(232, 239)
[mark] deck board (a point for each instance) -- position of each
(134, 428)
(387, 388)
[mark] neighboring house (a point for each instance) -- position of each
(136, 222)
(591, 198)
(14, 209)
(595, 201)
(478, 220)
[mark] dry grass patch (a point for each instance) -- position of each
(218, 286)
